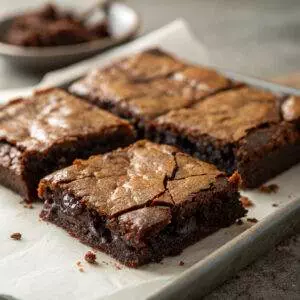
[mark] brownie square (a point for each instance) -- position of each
(141, 203)
(48, 131)
(246, 129)
(147, 85)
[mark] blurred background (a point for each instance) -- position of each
(257, 37)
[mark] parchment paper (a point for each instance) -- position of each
(42, 266)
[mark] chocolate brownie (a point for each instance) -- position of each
(246, 129)
(141, 203)
(148, 84)
(51, 27)
(49, 130)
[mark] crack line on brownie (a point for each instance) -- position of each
(171, 178)
(166, 182)
(146, 177)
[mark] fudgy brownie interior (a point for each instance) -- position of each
(140, 203)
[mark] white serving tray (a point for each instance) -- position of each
(43, 264)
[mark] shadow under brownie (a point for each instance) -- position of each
(148, 84)
(141, 203)
(252, 131)
(48, 131)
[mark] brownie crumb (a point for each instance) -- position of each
(246, 202)
(181, 263)
(275, 205)
(269, 189)
(239, 222)
(80, 266)
(16, 236)
(118, 267)
(90, 257)
(252, 220)
(30, 206)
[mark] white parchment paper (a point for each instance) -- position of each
(42, 266)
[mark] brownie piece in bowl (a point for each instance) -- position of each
(141, 203)
(246, 129)
(50, 27)
(48, 131)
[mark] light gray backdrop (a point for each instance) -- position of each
(257, 37)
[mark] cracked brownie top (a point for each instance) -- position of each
(52, 117)
(149, 84)
(229, 115)
(144, 174)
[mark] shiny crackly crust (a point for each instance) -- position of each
(50, 117)
(149, 84)
(142, 174)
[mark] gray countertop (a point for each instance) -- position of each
(257, 37)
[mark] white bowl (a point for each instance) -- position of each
(124, 25)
